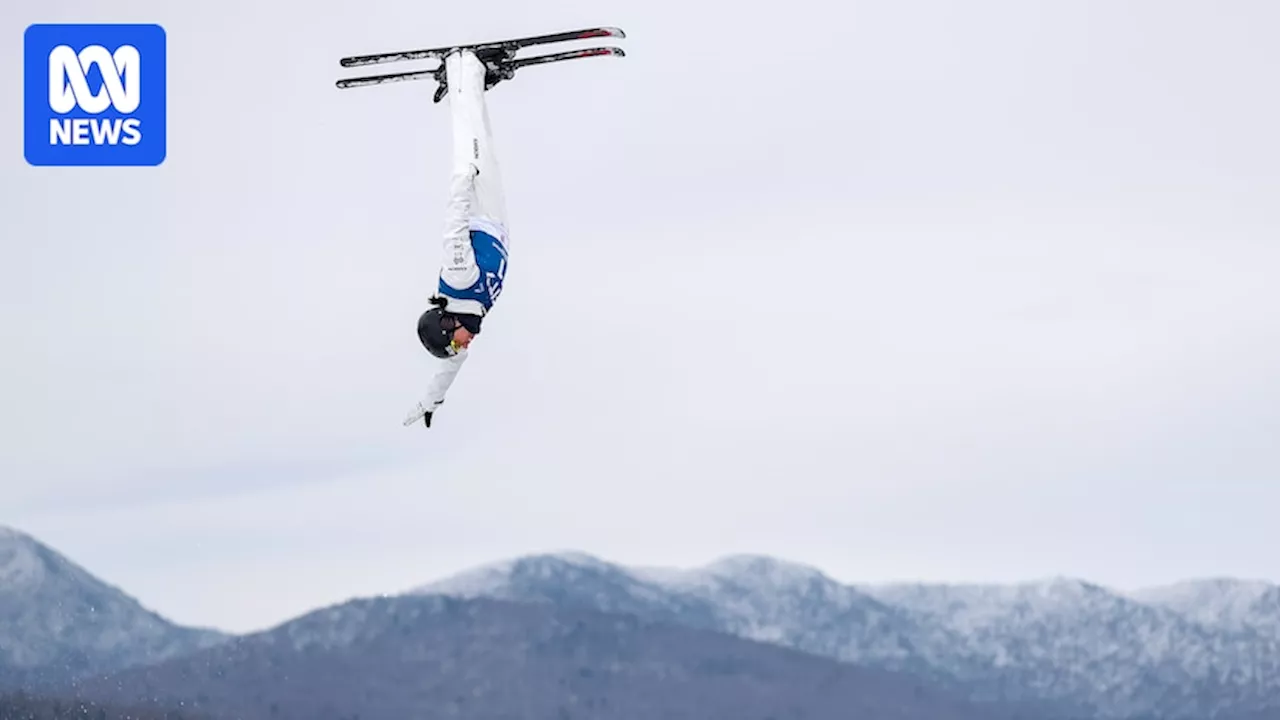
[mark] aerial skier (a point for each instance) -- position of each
(476, 240)
(474, 259)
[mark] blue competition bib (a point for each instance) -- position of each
(491, 258)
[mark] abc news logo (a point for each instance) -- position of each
(69, 89)
(95, 95)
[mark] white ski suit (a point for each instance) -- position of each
(474, 260)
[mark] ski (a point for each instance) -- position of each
(507, 68)
(566, 55)
(508, 47)
(370, 80)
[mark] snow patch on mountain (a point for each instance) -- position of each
(1223, 603)
(485, 581)
(56, 616)
(494, 579)
(20, 565)
(1059, 640)
(1066, 639)
(770, 600)
(574, 579)
(749, 596)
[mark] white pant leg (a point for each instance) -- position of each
(473, 142)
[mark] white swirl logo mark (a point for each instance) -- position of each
(69, 88)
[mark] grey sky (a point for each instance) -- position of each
(936, 290)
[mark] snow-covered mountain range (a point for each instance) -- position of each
(57, 619)
(397, 657)
(1191, 651)
(1195, 650)
(1225, 603)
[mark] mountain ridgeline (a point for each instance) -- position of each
(58, 621)
(430, 656)
(1067, 647)
(569, 635)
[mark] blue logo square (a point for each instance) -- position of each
(94, 94)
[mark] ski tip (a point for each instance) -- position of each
(605, 32)
(614, 51)
(601, 51)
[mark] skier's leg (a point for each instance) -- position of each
(473, 142)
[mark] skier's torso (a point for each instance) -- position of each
(473, 284)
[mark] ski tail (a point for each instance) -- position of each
(370, 80)
(509, 46)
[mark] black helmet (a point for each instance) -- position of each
(436, 328)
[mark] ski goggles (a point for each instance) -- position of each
(451, 325)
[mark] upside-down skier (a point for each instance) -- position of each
(476, 241)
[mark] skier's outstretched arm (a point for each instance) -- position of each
(438, 388)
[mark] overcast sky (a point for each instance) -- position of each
(935, 290)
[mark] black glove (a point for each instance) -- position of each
(426, 419)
